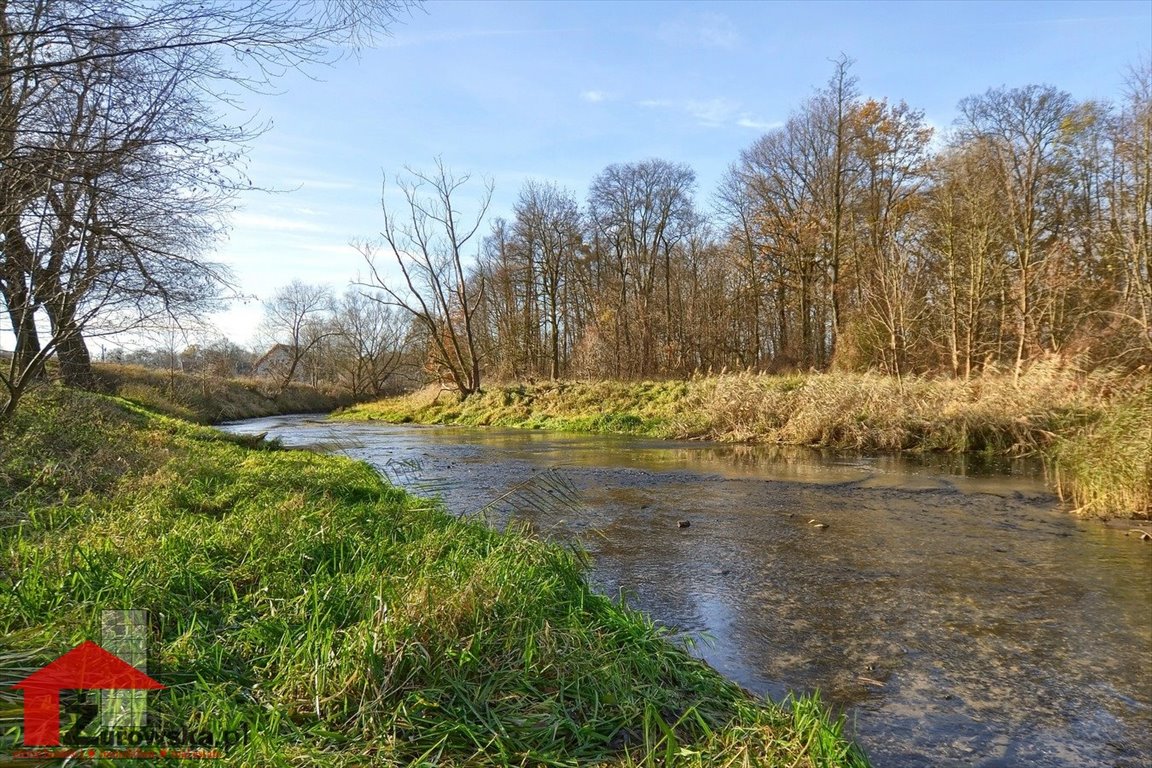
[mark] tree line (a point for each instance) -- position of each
(850, 237)
(352, 343)
(355, 342)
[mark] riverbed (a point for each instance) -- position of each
(952, 609)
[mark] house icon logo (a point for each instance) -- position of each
(85, 667)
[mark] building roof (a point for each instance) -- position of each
(270, 353)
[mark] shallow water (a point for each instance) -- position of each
(953, 610)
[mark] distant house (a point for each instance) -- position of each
(274, 364)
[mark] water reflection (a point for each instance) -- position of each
(959, 616)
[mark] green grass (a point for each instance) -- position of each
(1048, 414)
(346, 621)
(642, 408)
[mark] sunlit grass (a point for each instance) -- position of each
(1106, 466)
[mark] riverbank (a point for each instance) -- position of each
(340, 618)
(1095, 432)
(210, 399)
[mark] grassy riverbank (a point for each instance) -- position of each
(1095, 431)
(209, 399)
(346, 621)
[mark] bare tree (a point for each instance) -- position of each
(224, 359)
(965, 235)
(548, 219)
(298, 319)
(1130, 209)
(263, 37)
(890, 144)
(528, 267)
(508, 337)
(749, 341)
(642, 212)
(787, 233)
(372, 339)
(115, 164)
(427, 239)
(832, 145)
(1023, 129)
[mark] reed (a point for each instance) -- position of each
(1106, 465)
(210, 399)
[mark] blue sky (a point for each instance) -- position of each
(552, 90)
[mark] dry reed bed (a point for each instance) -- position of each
(209, 399)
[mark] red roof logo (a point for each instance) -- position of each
(85, 667)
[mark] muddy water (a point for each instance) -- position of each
(954, 612)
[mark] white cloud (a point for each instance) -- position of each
(712, 113)
(709, 112)
(702, 30)
(758, 125)
(594, 96)
(330, 249)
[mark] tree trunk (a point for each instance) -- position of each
(75, 361)
(23, 321)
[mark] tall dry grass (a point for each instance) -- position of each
(880, 413)
(209, 399)
(1105, 467)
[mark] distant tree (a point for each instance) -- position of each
(1129, 226)
(641, 213)
(831, 151)
(890, 148)
(750, 340)
(298, 317)
(845, 237)
(548, 222)
(508, 340)
(225, 359)
(802, 184)
(371, 341)
(528, 266)
(965, 236)
(787, 228)
(1023, 129)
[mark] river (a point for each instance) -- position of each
(954, 611)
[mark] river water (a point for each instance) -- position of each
(955, 613)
